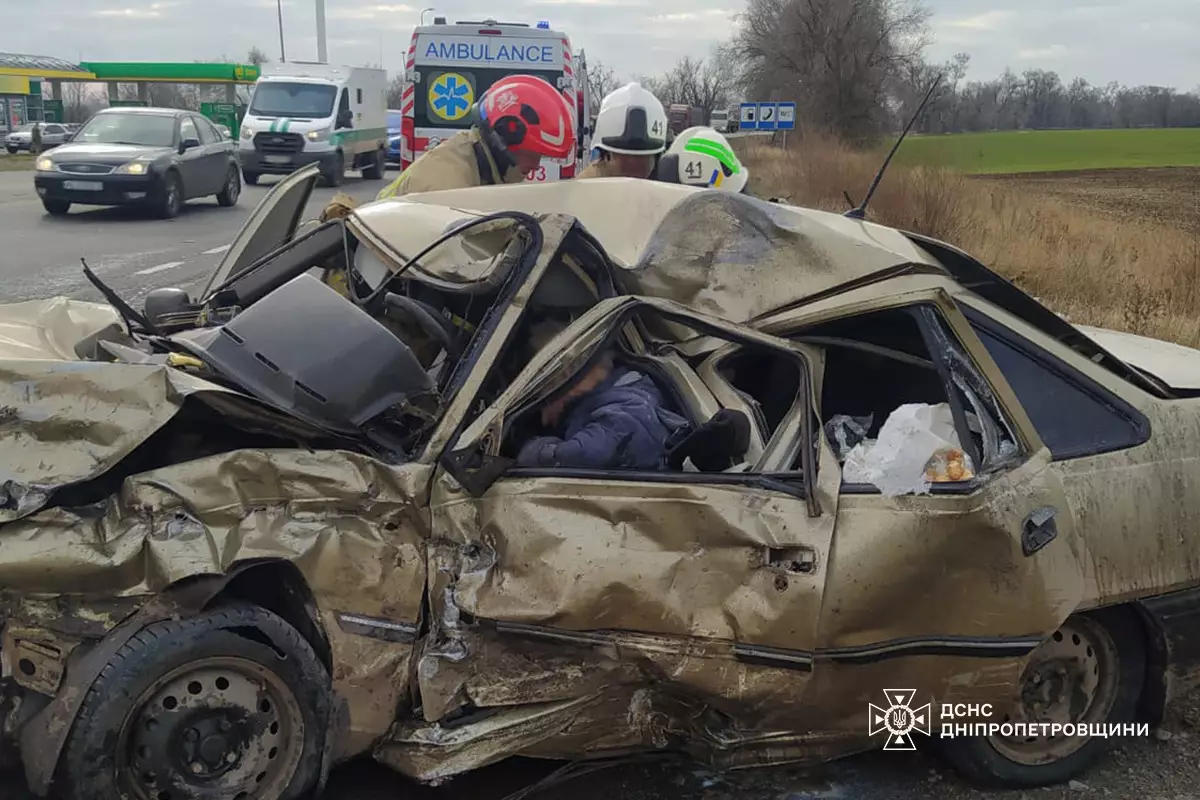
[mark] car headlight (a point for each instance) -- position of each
(45, 165)
(133, 168)
(247, 133)
(315, 136)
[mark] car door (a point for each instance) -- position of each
(53, 135)
(191, 160)
(271, 224)
(215, 162)
(945, 591)
(619, 598)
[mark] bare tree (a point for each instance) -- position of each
(601, 81)
(395, 91)
(703, 82)
(836, 58)
(78, 103)
(256, 56)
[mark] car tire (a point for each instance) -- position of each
(1108, 643)
(250, 178)
(170, 196)
(230, 703)
(56, 208)
(228, 196)
(336, 172)
(12, 151)
(374, 171)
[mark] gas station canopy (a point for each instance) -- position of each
(153, 72)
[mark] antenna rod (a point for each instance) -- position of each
(861, 211)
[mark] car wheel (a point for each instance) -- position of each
(56, 208)
(229, 194)
(250, 178)
(336, 173)
(170, 196)
(1090, 671)
(13, 150)
(232, 703)
(375, 170)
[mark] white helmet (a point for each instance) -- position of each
(700, 156)
(631, 121)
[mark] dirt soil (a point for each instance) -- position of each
(1168, 195)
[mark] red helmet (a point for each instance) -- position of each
(527, 113)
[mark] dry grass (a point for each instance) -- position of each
(1131, 275)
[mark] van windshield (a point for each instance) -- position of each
(300, 100)
(445, 96)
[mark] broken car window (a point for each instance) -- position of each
(902, 406)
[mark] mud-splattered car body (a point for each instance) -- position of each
(467, 610)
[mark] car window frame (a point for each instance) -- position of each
(1073, 377)
(795, 483)
(917, 311)
(203, 126)
(181, 136)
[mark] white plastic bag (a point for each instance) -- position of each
(896, 462)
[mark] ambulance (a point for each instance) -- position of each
(449, 65)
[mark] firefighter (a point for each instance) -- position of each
(630, 132)
(700, 156)
(520, 120)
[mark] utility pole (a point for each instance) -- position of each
(279, 8)
(322, 56)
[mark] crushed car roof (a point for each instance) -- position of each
(725, 254)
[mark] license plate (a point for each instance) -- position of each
(83, 186)
(277, 159)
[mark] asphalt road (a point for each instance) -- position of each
(39, 257)
(132, 252)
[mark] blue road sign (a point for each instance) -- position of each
(785, 117)
(767, 116)
(749, 117)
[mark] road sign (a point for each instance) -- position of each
(749, 118)
(767, 116)
(786, 117)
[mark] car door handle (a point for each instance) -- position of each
(1039, 530)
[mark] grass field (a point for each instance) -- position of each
(20, 161)
(1053, 151)
(1118, 249)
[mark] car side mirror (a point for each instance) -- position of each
(345, 120)
(188, 144)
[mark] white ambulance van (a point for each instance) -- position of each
(303, 112)
(450, 65)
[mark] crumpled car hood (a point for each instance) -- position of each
(1173, 364)
(63, 420)
(50, 328)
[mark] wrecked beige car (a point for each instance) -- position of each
(249, 535)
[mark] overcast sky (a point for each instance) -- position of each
(1101, 40)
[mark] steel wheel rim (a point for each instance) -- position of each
(221, 727)
(1072, 677)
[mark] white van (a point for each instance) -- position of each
(302, 112)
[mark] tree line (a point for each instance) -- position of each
(858, 69)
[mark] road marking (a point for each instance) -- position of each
(159, 268)
(216, 250)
